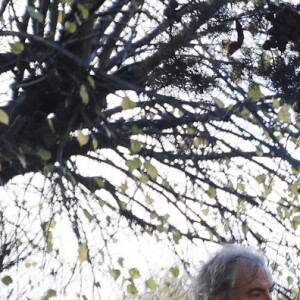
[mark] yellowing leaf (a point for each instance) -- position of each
(84, 94)
(4, 117)
(82, 138)
(83, 252)
(127, 103)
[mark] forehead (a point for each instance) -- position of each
(248, 278)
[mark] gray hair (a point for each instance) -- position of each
(218, 274)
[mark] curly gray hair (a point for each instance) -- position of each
(219, 273)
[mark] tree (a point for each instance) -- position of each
(183, 113)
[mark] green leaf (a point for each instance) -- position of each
(95, 143)
(99, 181)
(245, 229)
(7, 280)
(82, 138)
(165, 217)
(166, 289)
(71, 27)
(136, 130)
(83, 252)
(131, 289)
(176, 235)
(17, 47)
(134, 273)
(135, 146)
(124, 186)
(4, 117)
(261, 178)
(255, 92)
(198, 141)
(49, 225)
(49, 238)
(212, 192)
(44, 154)
(174, 271)
(22, 160)
(296, 222)
(35, 14)
(284, 114)
(144, 178)
(121, 261)
(161, 228)
(84, 94)
(84, 11)
(115, 273)
(70, 2)
(133, 164)
(127, 103)
(51, 293)
(88, 215)
(49, 245)
(61, 16)
(259, 151)
(205, 211)
(290, 280)
(91, 81)
(152, 171)
(219, 103)
(149, 200)
(151, 284)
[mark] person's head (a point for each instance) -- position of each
(234, 273)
